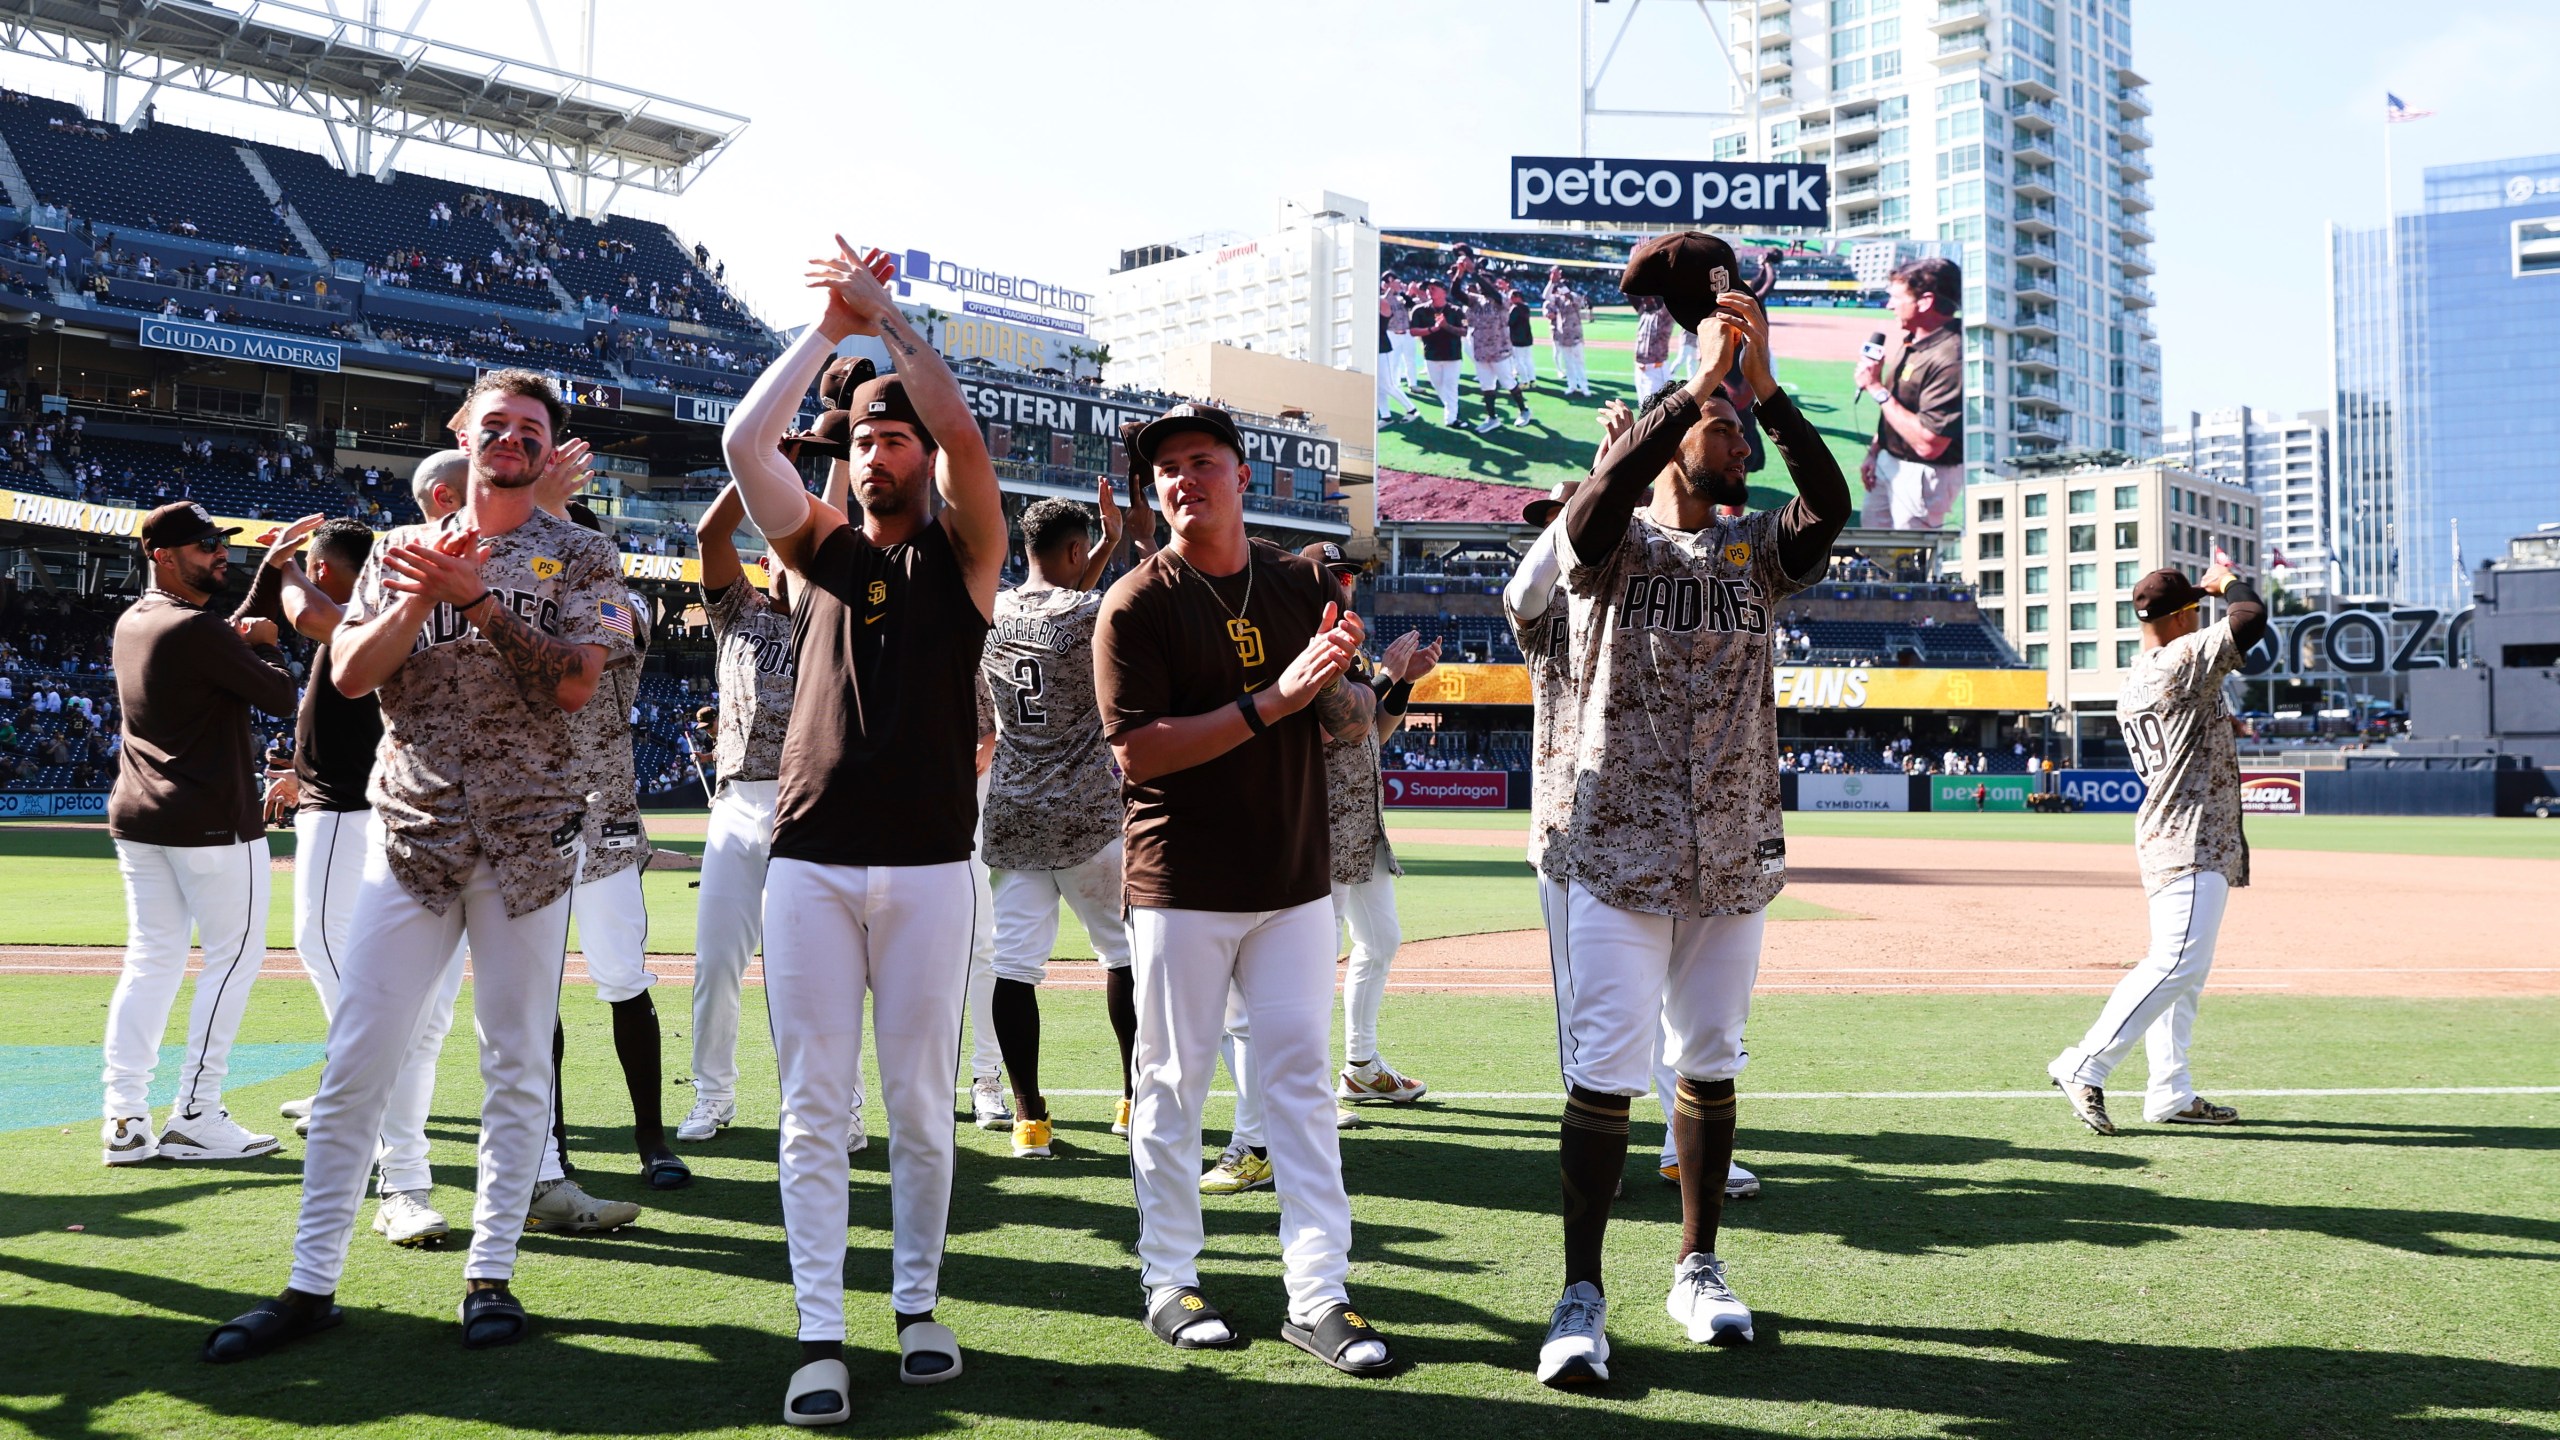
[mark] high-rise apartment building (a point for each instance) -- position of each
(2285, 463)
(1308, 290)
(2013, 128)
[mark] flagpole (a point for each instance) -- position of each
(2391, 344)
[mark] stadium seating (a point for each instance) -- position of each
(228, 484)
(590, 268)
(366, 220)
(496, 343)
(120, 296)
(158, 178)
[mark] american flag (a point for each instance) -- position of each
(618, 618)
(2396, 111)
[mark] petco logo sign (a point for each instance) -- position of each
(1448, 789)
(1668, 192)
(2521, 188)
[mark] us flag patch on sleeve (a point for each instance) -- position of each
(617, 618)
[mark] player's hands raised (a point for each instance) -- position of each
(256, 632)
(1408, 659)
(1719, 341)
(1744, 314)
(566, 474)
(858, 300)
(2216, 580)
(291, 537)
(445, 571)
(1106, 503)
(1327, 655)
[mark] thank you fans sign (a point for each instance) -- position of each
(1699, 194)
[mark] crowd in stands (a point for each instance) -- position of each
(496, 343)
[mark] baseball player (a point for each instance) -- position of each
(1488, 322)
(184, 815)
(2187, 837)
(1566, 311)
(1052, 826)
(1391, 395)
(751, 634)
(1217, 666)
(1674, 845)
(1407, 351)
(1524, 340)
(1441, 330)
(1653, 347)
(483, 633)
(868, 891)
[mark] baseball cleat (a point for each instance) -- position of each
(1237, 1171)
(1345, 1118)
(214, 1136)
(1360, 1084)
(1670, 1168)
(1576, 1351)
(1120, 1118)
(986, 1097)
(296, 1109)
(2199, 1111)
(856, 1139)
(560, 1207)
(405, 1218)
(1523, 422)
(302, 1128)
(1740, 1184)
(1701, 1300)
(127, 1141)
(706, 1119)
(2089, 1102)
(1031, 1139)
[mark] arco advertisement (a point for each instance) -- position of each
(1446, 789)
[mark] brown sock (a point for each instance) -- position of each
(1593, 1156)
(1702, 1114)
(1014, 1014)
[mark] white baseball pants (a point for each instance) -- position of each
(1026, 903)
(986, 1057)
(1235, 1047)
(397, 952)
(1624, 977)
(1391, 395)
(1524, 365)
(2156, 1000)
(218, 893)
(1368, 912)
(1444, 381)
(1911, 494)
(613, 933)
(1281, 963)
(1650, 378)
(728, 926)
(901, 935)
(1408, 357)
(328, 874)
(1569, 362)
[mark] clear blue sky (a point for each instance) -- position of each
(1044, 137)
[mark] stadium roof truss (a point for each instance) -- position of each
(367, 82)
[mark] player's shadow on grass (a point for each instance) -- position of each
(128, 1215)
(75, 1370)
(2472, 1138)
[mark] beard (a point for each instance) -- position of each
(1716, 487)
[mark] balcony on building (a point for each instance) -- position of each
(2148, 357)
(2130, 102)
(2035, 247)
(2129, 164)
(1775, 91)
(1777, 60)
(2034, 149)
(2036, 286)
(2036, 217)
(1856, 189)
(2133, 134)
(2031, 80)
(2027, 355)
(1956, 14)
(2040, 322)
(1963, 46)
(2134, 259)
(2137, 296)
(2033, 182)
(2134, 197)
(2025, 426)
(2043, 394)
(2133, 230)
(1847, 127)
(1852, 161)
(2034, 112)
(1776, 28)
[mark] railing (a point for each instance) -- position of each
(2044, 110)
(1964, 40)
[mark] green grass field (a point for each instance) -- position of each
(1559, 445)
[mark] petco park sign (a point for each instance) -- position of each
(1668, 192)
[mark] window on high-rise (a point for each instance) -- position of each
(2127, 651)
(2035, 619)
(1730, 147)
(2125, 618)
(2084, 654)
(2084, 616)
(2128, 497)
(1991, 582)
(2128, 537)
(1895, 107)
(2035, 506)
(2084, 538)
(2084, 578)
(1989, 508)
(1962, 160)
(2125, 573)
(2036, 541)
(1990, 546)
(2035, 579)
(2035, 656)
(2084, 502)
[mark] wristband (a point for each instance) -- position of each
(467, 606)
(1252, 714)
(1397, 697)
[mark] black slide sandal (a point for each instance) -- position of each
(491, 1318)
(1183, 1309)
(1337, 1330)
(271, 1325)
(664, 1171)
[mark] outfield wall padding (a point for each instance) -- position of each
(2401, 792)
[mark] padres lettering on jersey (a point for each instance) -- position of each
(756, 671)
(1052, 799)
(2179, 736)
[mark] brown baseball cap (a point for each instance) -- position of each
(1330, 556)
(1688, 270)
(831, 437)
(841, 376)
(181, 522)
(1189, 417)
(1542, 511)
(882, 397)
(2162, 593)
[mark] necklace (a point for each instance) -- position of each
(1240, 631)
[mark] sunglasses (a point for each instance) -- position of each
(213, 545)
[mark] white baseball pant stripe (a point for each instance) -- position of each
(901, 935)
(1911, 494)
(1444, 380)
(1569, 361)
(1626, 980)
(613, 933)
(728, 927)
(1666, 1081)
(328, 875)
(1390, 395)
(397, 951)
(1281, 963)
(2156, 1000)
(986, 1056)
(1368, 912)
(219, 894)
(1026, 903)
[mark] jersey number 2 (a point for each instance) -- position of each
(1028, 685)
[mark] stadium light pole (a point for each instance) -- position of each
(1587, 83)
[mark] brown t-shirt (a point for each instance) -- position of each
(186, 683)
(1928, 380)
(1249, 830)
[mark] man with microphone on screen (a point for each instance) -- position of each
(1915, 466)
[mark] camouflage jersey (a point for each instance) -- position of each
(1565, 311)
(1545, 643)
(1360, 849)
(752, 641)
(474, 765)
(2180, 739)
(1488, 329)
(1675, 737)
(615, 838)
(1053, 801)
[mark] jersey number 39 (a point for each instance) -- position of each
(2147, 740)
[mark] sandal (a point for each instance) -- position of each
(491, 1318)
(272, 1324)
(664, 1171)
(812, 1385)
(922, 1343)
(1335, 1331)
(1180, 1311)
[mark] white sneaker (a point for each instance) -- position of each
(213, 1136)
(405, 1218)
(127, 1141)
(856, 1139)
(1740, 1184)
(1577, 1348)
(986, 1096)
(1523, 421)
(297, 1109)
(1702, 1301)
(707, 1118)
(559, 1206)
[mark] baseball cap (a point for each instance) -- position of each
(1189, 417)
(882, 397)
(1330, 556)
(2164, 592)
(1688, 270)
(1542, 511)
(831, 437)
(580, 513)
(842, 375)
(180, 522)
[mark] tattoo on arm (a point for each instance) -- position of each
(536, 658)
(1343, 708)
